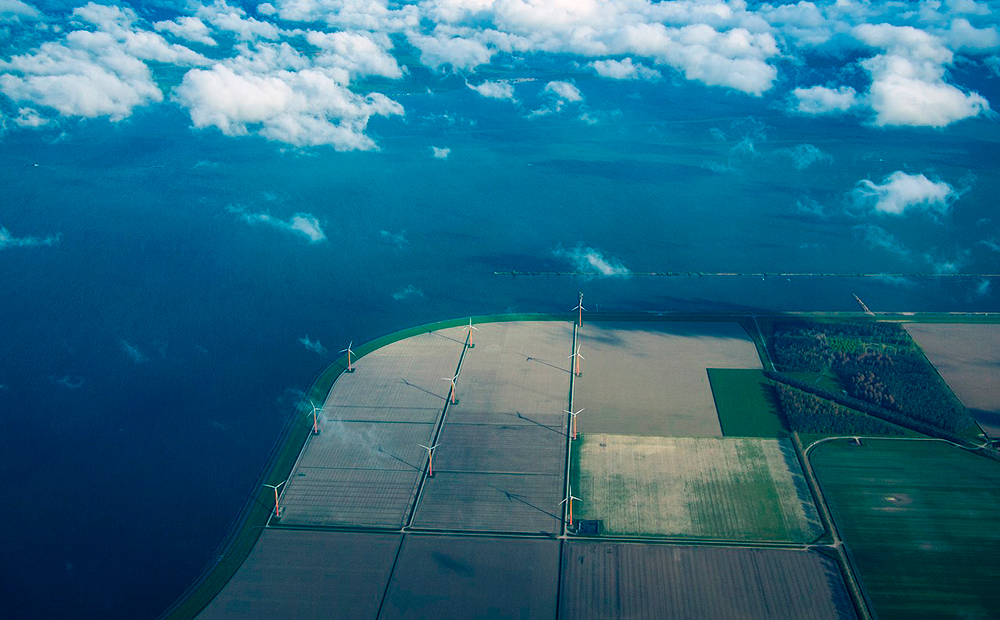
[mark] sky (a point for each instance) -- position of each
(204, 202)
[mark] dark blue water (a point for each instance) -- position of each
(150, 357)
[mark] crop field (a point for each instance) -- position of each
(920, 520)
(731, 488)
(619, 581)
(516, 368)
(364, 466)
(290, 575)
(473, 577)
(405, 374)
(496, 448)
(652, 379)
(968, 358)
(746, 403)
(526, 503)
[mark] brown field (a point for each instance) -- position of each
(732, 488)
(404, 375)
(364, 466)
(515, 367)
(612, 581)
(477, 502)
(290, 575)
(507, 433)
(469, 577)
(652, 378)
(968, 358)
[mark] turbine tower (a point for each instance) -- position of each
(316, 410)
(576, 362)
(573, 414)
(470, 328)
(580, 308)
(277, 511)
(452, 391)
(570, 498)
(350, 352)
(430, 458)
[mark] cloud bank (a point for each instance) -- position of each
(296, 71)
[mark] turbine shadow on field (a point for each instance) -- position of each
(425, 391)
(550, 364)
(513, 497)
(521, 416)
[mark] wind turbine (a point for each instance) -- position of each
(452, 391)
(277, 512)
(573, 414)
(570, 498)
(430, 458)
(315, 411)
(350, 352)
(580, 307)
(576, 362)
(470, 328)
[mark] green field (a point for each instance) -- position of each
(920, 520)
(715, 488)
(745, 402)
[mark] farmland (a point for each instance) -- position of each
(473, 577)
(651, 378)
(732, 488)
(746, 404)
(289, 575)
(501, 459)
(919, 518)
(618, 581)
(968, 357)
(365, 465)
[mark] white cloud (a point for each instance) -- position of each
(303, 224)
(591, 261)
(313, 345)
(94, 73)
(908, 81)
(29, 117)
(303, 108)
(823, 100)
(407, 292)
(133, 352)
(188, 28)
(494, 90)
(358, 54)
(235, 21)
(805, 155)
(9, 241)
(15, 11)
(440, 152)
(901, 192)
(444, 49)
(564, 91)
(624, 70)
(983, 289)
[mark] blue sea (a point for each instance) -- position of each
(151, 353)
